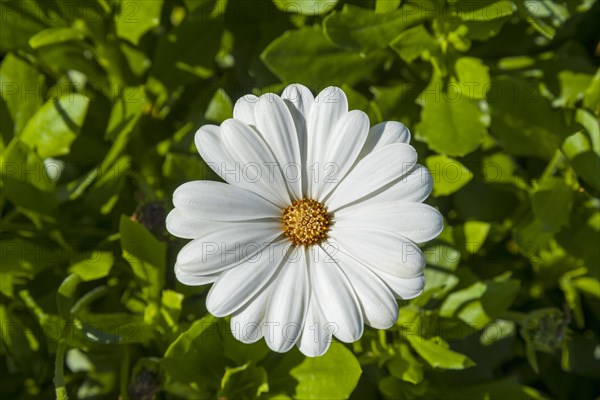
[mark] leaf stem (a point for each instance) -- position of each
(59, 378)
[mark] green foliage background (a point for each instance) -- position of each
(100, 100)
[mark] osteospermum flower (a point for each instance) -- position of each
(314, 232)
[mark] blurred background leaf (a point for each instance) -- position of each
(99, 103)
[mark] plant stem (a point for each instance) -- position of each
(59, 378)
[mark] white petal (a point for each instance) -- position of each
(316, 335)
(403, 288)
(381, 250)
(284, 321)
(217, 201)
(257, 166)
(227, 245)
(299, 101)
(416, 221)
(300, 97)
(244, 109)
(276, 125)
(415, 186)
(194, 280)
(342, 150)
(208, 144)
(237, 286)
(378, 304)
(330, 105)
(371, 173)
(247, 323)
(335, 297)
(186, 227)
(385, 133)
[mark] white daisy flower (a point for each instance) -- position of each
(314, 234)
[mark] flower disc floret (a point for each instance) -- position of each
(306, 222)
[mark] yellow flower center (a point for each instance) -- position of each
(306, 222)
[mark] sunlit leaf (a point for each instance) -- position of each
(145, 254)
(451, 123)
(307, 56)
(359, 29)
(56, 125)
(55, 36)
(449, 175)
(136, 17)
(306, 7)
(436, 352)
(332, 376)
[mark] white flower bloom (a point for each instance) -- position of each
(314, 234)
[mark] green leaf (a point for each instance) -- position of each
(180, 61)
(306, 7)
(449, 175)
(439, 281)
(66, 295)
(196, 353)
(396, 389)
(136, 17)
(242, 353)
(245, 382)
(398, 102)
(485, 10)
(579, 237)
(23, 347)
(385, 6)
(22, 88)
(113, 328)
(451, 123)
(359, 29)
(146, 255)
(95, 266)
(443, 256)
(306, 56)
(219, 108)
(182, 167)
(572, 88)
(497, 331)
(583, 150)
(548, 16)
(483, 30)
(471, 236)
(437, 353)
(552, 201)
(135, 59)
(588, 286)
(480, 303)
(405, 366)
(23, 19)
(105, 191)
(591, 98)
(207, 6)
(416, 42)
(473, 76)
(125, 113)
(524, 121)
(24, 259)
(356, 101)
(56, 125)
(53, 36)
(170, 309)
(486, 202)
(331, 376)
(25, 181)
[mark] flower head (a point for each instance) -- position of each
(314, 232)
